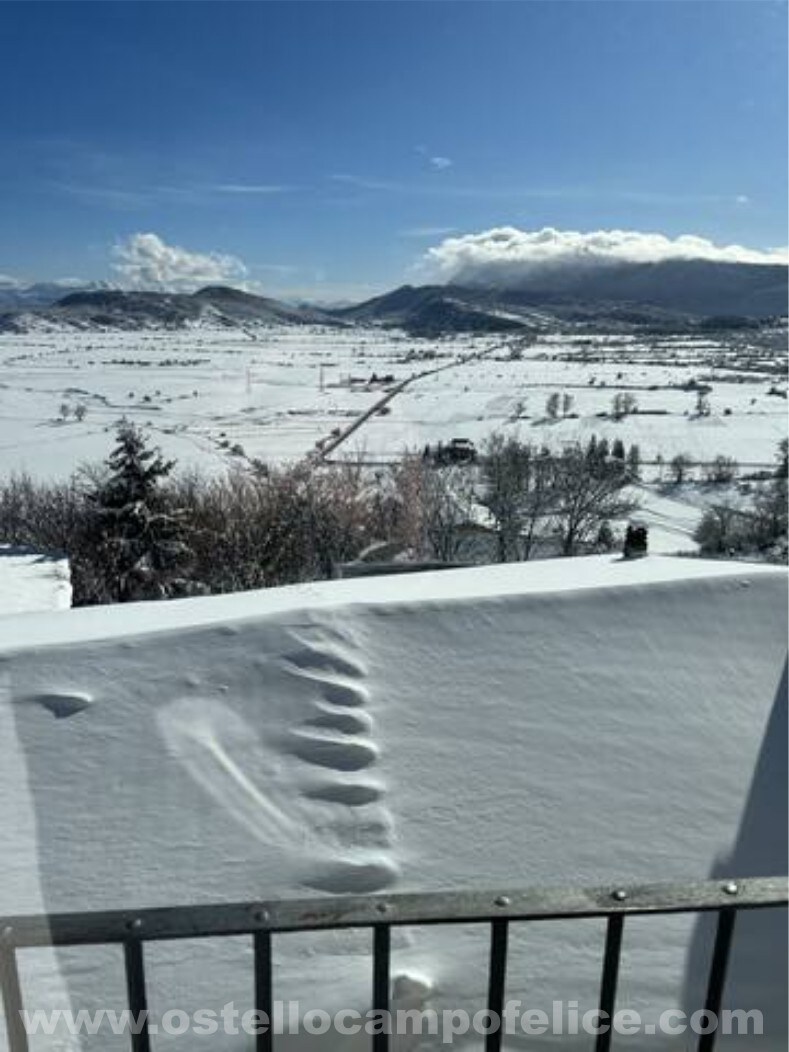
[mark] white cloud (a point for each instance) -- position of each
(361, 183)
(250, 188)
(427, 231)
(146, 261)
(436, 161)
(506, 253)
(8, 282)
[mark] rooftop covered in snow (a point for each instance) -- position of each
(32, 581)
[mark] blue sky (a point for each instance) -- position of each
(328, 145)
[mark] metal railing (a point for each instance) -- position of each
(381, 913)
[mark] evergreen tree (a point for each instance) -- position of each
(140, 538)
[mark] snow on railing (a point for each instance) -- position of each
(381, 913)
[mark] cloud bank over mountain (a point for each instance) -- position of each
(145, 261)
(507, 255)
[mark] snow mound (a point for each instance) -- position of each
(31, 581)
(574, 721)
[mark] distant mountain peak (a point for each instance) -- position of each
(676, 291)
(129, 310)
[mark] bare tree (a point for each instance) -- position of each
(506, 467)
(722, 529)
(721, 470)
(702, 404)
(623, 403)
(337, 503)
(449, 505)
(770, 507)
(431, 509)
(585, 499)
(518, 491)
(680, 468)
(402, 514)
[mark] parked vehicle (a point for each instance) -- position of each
(457, 451)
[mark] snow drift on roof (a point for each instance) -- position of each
(573, 721)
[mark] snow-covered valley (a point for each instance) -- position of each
(211, 397)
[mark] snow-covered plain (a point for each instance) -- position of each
(211, 396)
(573, 721)
(200, 393)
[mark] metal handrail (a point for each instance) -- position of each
(382, 912)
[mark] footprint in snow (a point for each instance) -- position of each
(338, 739)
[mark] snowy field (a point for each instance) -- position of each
(213, 398)
(378, 736)
(512, 395)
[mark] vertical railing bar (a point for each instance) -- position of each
(264, 1040)
(609, 979)
(135, 987)
(718, 968)
(381, 968)
(12, 999)
(497, 974)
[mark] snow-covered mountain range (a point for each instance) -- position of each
(668, 294)
(116, 309)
